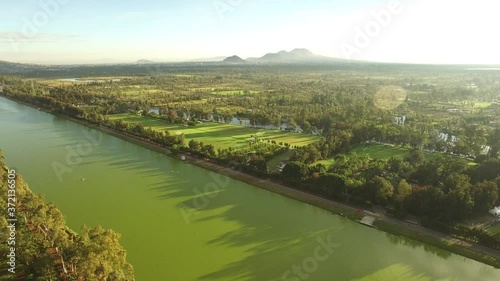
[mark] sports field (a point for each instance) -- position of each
(219, 135)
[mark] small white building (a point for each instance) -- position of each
(495, 211)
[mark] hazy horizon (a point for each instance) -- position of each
(406, 31)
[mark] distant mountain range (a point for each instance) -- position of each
(294, 56)
(145, 62)
(234, 59)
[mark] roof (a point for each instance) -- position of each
(495, 211)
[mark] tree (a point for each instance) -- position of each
(403, 191)
(488, 170)
(105, 257)
(384, 190)
(416, 156)
(485, 196)
(49, 250)
(194, 146)
(292, 124)
(306, 126)
(295, 172)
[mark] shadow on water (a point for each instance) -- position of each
(277, 233)
(272, 233)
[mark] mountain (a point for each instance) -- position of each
(144, 62)
(214, 59)
(294, 56)
(234, 59)
(15, 68)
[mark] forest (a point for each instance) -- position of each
(46, 249)
(445, 120)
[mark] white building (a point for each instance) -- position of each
(495, 211)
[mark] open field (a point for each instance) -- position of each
(219, 135)
(233, 92)
(274, 162)
(383, 152)
(376, 151)
(380, 151)
(495, 229)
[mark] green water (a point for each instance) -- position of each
(173, 230)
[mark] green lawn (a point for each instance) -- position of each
(274, 162)
(384, 152)
(380, 151)
(376, 151)
(232, 92)
(219, 135)
(495, 229)
(327, 163)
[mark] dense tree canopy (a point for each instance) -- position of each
(46, 249)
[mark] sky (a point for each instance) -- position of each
(406, 31)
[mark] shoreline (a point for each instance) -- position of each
(387, 224)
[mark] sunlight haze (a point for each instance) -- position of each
(72, 31)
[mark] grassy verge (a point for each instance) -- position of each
(437, 242)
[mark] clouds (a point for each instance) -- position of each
(8, 37)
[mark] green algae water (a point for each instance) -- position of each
(181, 222)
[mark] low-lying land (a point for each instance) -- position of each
(219, 135)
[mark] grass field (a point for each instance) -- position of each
(495, 229)
(384, 152)
(380, 151)
(233, 92)
(376, 151)
(219, 135)
(274, 162)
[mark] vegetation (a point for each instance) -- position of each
(46, 249)
(218, 135)
(395, 136)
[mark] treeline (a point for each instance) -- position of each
(442, 192)
(252, 159)
(46, 249)
(329, 105)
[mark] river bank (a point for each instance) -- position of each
(385, 223)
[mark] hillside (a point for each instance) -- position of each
(234, 59)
